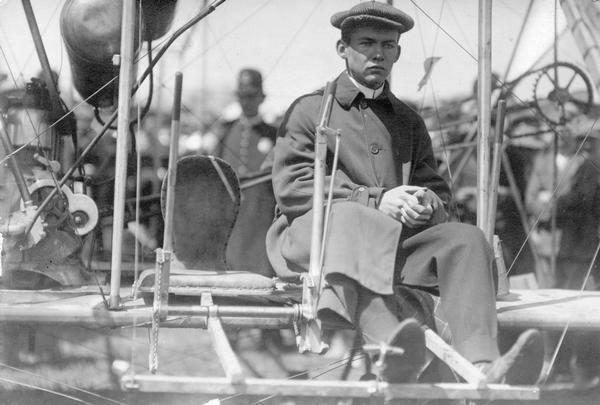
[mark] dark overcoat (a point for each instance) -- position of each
(384, 144)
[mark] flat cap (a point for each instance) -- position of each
(373, 12)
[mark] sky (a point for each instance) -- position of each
(293, 44)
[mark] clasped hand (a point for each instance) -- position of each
(412, 205)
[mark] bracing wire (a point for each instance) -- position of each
(63, 384)
(458, 25)
(63, 117)
(96, 139)
(138, 187)
(536, 113)
(435, 103)
(436, 37)
(557, 183)
(59, 394)
(563, 334)
(430, 84)
(175, 356)
(226, 34)
(50, 19)
(298, 31)
(425, 53)
(164, 46)
(450, 36)
(218, 42)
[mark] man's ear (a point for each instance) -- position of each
(341, 47)
(399, 51)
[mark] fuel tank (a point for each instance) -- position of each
(158, 17)
(91, 31)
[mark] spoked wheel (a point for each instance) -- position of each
(561, 92)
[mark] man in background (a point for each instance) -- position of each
(577, 198)
(245, 143)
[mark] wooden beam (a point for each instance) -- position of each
(454, 360)
(227, 357)
(484, 91)
(127, 64)
(324, 388)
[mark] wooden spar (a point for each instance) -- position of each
(319, 185)
(9, 150)
(167, 249)
(310, 329)
(165, 255)
(125, 85)
(495, 172)
(229, 360)
(452, 358)
(46, 70)
(484, 91)
(546, 309)
(375, 390)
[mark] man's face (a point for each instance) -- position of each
(594, 148)
(250, 98)
(370, 54)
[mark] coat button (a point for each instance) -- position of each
(374, 148)
(363, 104)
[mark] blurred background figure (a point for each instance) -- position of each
(577, 199)
(245, 143)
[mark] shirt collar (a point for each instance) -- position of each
(366, 91)
(346, 91)
(250, 122)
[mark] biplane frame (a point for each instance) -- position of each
(287, 306)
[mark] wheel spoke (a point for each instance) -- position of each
(571, 80)
(551, 79)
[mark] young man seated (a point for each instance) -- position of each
(387, 228)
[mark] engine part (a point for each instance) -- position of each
(80, 207)
(91, 31)
(158, 17)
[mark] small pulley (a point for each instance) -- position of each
(79, 207)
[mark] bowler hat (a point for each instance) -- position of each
(249, 80)
(373, 12)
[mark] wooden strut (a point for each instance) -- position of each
(227, 357)
(164, 255)
(309, 337)
(324, 388)
(125, 83)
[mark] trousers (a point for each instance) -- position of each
(367, 251)
(451, 260)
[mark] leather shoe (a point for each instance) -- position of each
(404, 367)
(521, 364)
